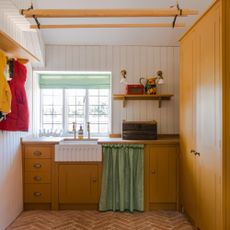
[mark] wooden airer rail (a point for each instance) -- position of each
(158, 97)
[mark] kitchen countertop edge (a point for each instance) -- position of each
(162, 139)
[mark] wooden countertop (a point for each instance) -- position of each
(162, 139)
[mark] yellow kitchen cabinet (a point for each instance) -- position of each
(188, 163)
(161, 183)
(79, 185)
(200, 121)
(37, 176)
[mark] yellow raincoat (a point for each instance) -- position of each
(5, 93)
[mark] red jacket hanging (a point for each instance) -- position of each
(18, 118)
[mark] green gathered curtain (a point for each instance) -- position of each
(122, 178)
(76, 81)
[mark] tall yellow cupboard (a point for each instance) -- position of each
(201, 121)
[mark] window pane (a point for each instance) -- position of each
(76, 99)
(47, 119)
(71, 92)
(80, 120)
(93, 110)
(47, 126)
(93, 119)
(75, 92)
(104, 100)
(57, 127)
(47, 109)
(93, 101)
(47, 92)
(93, 92)
(71, 100)
(57, 119)
(80, 110)
(103, 128)
(71, 119)
(103, 110)
(70, 127)
(80, 100)
(103, 119)
(104, 92)
(52, 109)
(71, 110)
(94, 128)
(57, 100)
(57, 92)
(47, 100)
(57, 110)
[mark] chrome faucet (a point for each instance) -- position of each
(74, 130)
(88, 130)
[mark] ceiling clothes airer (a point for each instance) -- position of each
(173, 11)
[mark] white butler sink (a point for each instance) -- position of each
(76, 150)
(68, 141)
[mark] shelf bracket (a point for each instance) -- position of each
(159, 102)
(124, 102)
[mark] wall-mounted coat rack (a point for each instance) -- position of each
(14, 50)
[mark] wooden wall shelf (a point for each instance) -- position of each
(14, 50)
(126, 97)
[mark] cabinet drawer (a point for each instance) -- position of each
(37, 177)
(37, 165)
(37, 193)
(38, 152)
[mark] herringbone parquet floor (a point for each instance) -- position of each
(87, 220)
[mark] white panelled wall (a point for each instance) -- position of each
(11, 167)
(139, 61)
(11, 201)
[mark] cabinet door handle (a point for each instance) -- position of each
(37, 166)
(37, 178)
(37, 194)
(37, 153)
(153, 172)
(94, 179)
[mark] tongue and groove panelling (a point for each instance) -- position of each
(139, 61)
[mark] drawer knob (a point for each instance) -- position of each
(37, 194)
(153, 172)
(37, 178)
(37, 166)
(37, 153)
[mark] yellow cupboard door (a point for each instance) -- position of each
(208, 121)
(78, 184)
(188, 164)
(163, 174)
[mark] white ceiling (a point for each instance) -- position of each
(125, 36)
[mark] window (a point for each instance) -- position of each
(76, 98)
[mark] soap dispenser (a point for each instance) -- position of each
(80, 132)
